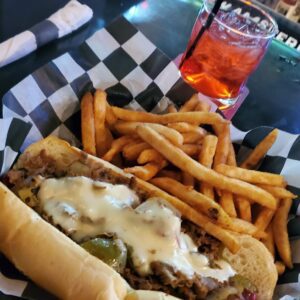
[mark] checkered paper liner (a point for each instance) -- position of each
(137, 75)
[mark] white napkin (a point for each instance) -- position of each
(64, 21)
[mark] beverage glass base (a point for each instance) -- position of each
(230, 109)
(225, 103)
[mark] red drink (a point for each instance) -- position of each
(226, 54)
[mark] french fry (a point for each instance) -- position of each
(188, 180)
(108, 139)
(280, 267)
(190, 117)
(170, 174)
(130, 128)
(208, 150)
(205, 158)
(190, 104)
(184, 127)
(172, 135)
(192, 138)
(241, 226)
(171, 108)
(88, 124)
(133, 150)
(278, 192)
(186, 163)
(260, 150)
(207, 190)
(281, 238)
(202, 106)
(244, 208)
(231, 160)
(226, 201)
(117, 146)
(197, 200)
(268, 241)
(190, 149)
(251, 175)
(264, 218)
(225, 236)
(226, 198)
(110, 117)
(147, 171)
(149, 155)
(102, 141)
(223, 145)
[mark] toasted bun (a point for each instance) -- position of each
(62, 267)
(149, 295)
(255, 262)
(50, 258)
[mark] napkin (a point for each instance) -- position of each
(137, 75)
(64, 21)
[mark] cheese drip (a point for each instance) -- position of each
(85, 208)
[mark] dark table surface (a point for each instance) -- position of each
(274, 98)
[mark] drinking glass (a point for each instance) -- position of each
(219, 62)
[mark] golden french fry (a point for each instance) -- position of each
(171, 108)
(281, 237)
(149, 155)
(192, 138)
(280, 267)
(207, 190)
(190, 149)
(171, 134)
(226, 198)
(226, 201)
(231, 159)
(130, 128)
(188, 179)
(170, 174)
(251, 175)
(117, 146)
(102, 144)
(244, 208)
(190, 104)
(186, 163)
(108, 139)
(190, 117)
(226, 237)
(133, 150)
(223, 145)
(268, 241)
(241, 226)
(264, 218)
(184, 127)
(110, 117)
(202, 106)
(147, 171)
(208, 150)
(260, 150)
(205, 158)
(88, 124)
(197, 200)
(278, 192)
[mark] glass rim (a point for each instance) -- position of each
(251, 4)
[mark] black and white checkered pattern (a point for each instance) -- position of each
(64, 21)
(135, 74)
(13, 131)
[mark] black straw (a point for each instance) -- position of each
(206, 26)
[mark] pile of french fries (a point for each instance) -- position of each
(198, 166)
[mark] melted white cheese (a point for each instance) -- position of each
(85, 208)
